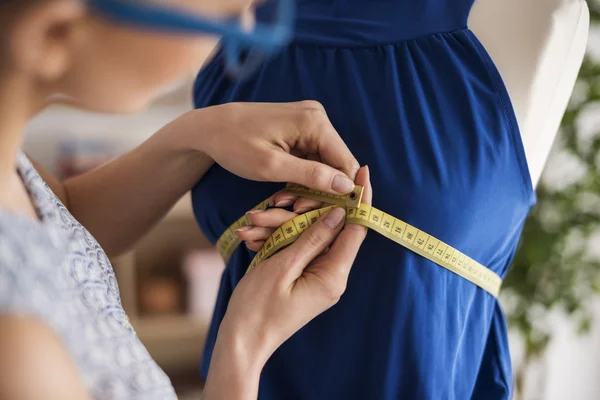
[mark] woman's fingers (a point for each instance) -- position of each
(332, 268)
(255, 246)
(271, 218)
(263, 225)
(265, 222)
(363, 179)
(254, 233)
(282, 199)
(312, 242)
(303, 205)
(311, 174)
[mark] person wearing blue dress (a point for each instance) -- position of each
(415, 96)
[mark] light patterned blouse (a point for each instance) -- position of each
(57, 272)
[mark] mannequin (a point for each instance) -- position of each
(538, 47)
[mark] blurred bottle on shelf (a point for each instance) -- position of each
(76, 156)
(161, 295)
(203, 270)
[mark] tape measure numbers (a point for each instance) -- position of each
(358, 213)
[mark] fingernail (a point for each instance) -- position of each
(342, 184)
(334, 218)
(254, 212)
(243, 229)
(302, 210)
(284, 203)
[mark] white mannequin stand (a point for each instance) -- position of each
(538, 47)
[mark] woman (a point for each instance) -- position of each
(415, 96)
(63, 332)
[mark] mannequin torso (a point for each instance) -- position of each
(538, 47)
(389, 77)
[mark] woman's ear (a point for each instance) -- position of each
(43, 38)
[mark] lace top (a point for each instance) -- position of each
(57, 272)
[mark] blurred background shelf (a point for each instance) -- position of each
(168, 285)
(175, 338)
(175, 341)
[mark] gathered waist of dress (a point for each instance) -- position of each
(354, 23)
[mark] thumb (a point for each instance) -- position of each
(337, 262)
(314, 174)
(314, 240)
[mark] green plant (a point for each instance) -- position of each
(553, 268)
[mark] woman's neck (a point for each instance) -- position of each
(18, 103)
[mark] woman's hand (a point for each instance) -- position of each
(280, 296)
(281, 142)
(276, 142)
(263, 223)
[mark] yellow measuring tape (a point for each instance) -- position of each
(358, 213)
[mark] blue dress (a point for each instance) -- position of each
(416, 97)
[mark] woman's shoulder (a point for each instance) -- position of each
(29, 348)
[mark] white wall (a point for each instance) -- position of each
(571, 367)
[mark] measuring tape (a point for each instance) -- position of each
(362, 214)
